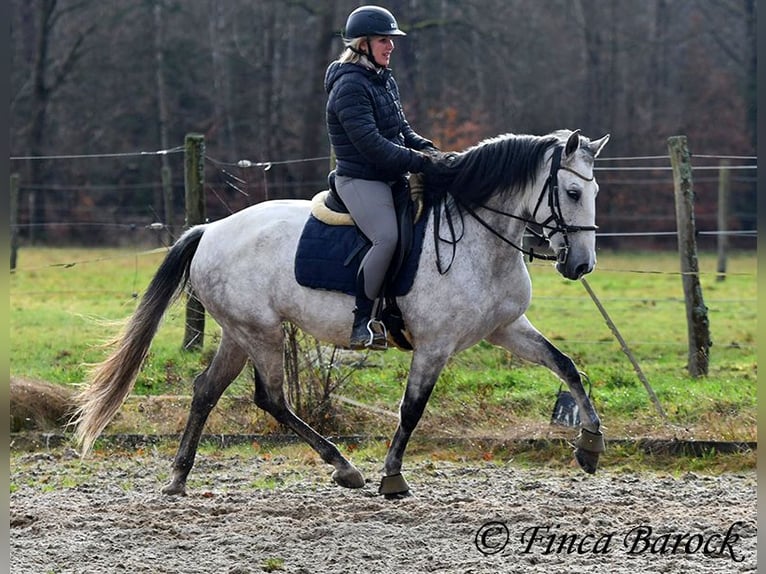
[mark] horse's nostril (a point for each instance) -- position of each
(582, 269)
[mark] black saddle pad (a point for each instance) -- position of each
(328, 257)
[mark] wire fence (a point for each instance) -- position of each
(92, 212)
(130, 213)
(83, 206)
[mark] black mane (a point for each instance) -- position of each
(507, 162)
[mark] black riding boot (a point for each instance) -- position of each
(366, 333)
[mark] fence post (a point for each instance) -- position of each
(14, 207)
(723, 218)
(696, 311)
(194, 183)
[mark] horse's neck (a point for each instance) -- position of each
(504, 214)
(489, 236)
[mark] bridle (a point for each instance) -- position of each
(554, 203)
(553, 224)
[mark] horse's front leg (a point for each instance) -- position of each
(522, 339)
(424, 371)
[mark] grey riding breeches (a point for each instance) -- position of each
(371, 205)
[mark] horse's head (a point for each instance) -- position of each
(566, 208)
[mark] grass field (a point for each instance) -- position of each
(65, 302)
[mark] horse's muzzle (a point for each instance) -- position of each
(569, 269)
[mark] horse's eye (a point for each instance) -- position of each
(574, 194)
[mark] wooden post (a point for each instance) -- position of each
(626, 350)
(696, 311)
(194, 183)
(14, 219)
(723, 218)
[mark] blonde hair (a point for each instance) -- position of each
(351, 53)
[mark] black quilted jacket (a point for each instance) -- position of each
(366, 124)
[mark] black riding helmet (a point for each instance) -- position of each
(367, 21)
(371, 21)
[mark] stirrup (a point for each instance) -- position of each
(378, 340)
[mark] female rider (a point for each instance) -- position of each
(374, 146)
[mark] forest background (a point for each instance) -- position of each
(93, 78)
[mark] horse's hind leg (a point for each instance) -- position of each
(228, 362)
(267, 357)
(521, 338)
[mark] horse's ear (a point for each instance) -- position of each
(572, 143)
(598, 145)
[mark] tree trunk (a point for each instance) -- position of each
(275, 125)
(218, 31)
(163, 197)
(315, 143)
(658, 68)
(48, 76)
(597, 26)
(41, 96)
(751, 96)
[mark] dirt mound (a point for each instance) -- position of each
(37, 405)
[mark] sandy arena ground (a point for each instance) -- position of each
(250, 514)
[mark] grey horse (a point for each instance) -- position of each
(241, 269)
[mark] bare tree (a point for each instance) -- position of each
(50, 72)
(249, 73)
(218, 31)
(163, 199)
(314, 138)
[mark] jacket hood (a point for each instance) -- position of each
(337, 69)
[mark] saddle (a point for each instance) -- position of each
(331, 248)
(328, 207)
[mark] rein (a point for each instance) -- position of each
(556, 217)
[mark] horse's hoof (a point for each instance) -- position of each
(394, 487)
(587, 460)
(350, 478)
(397, 495)
(589, 445)
(174, 489)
